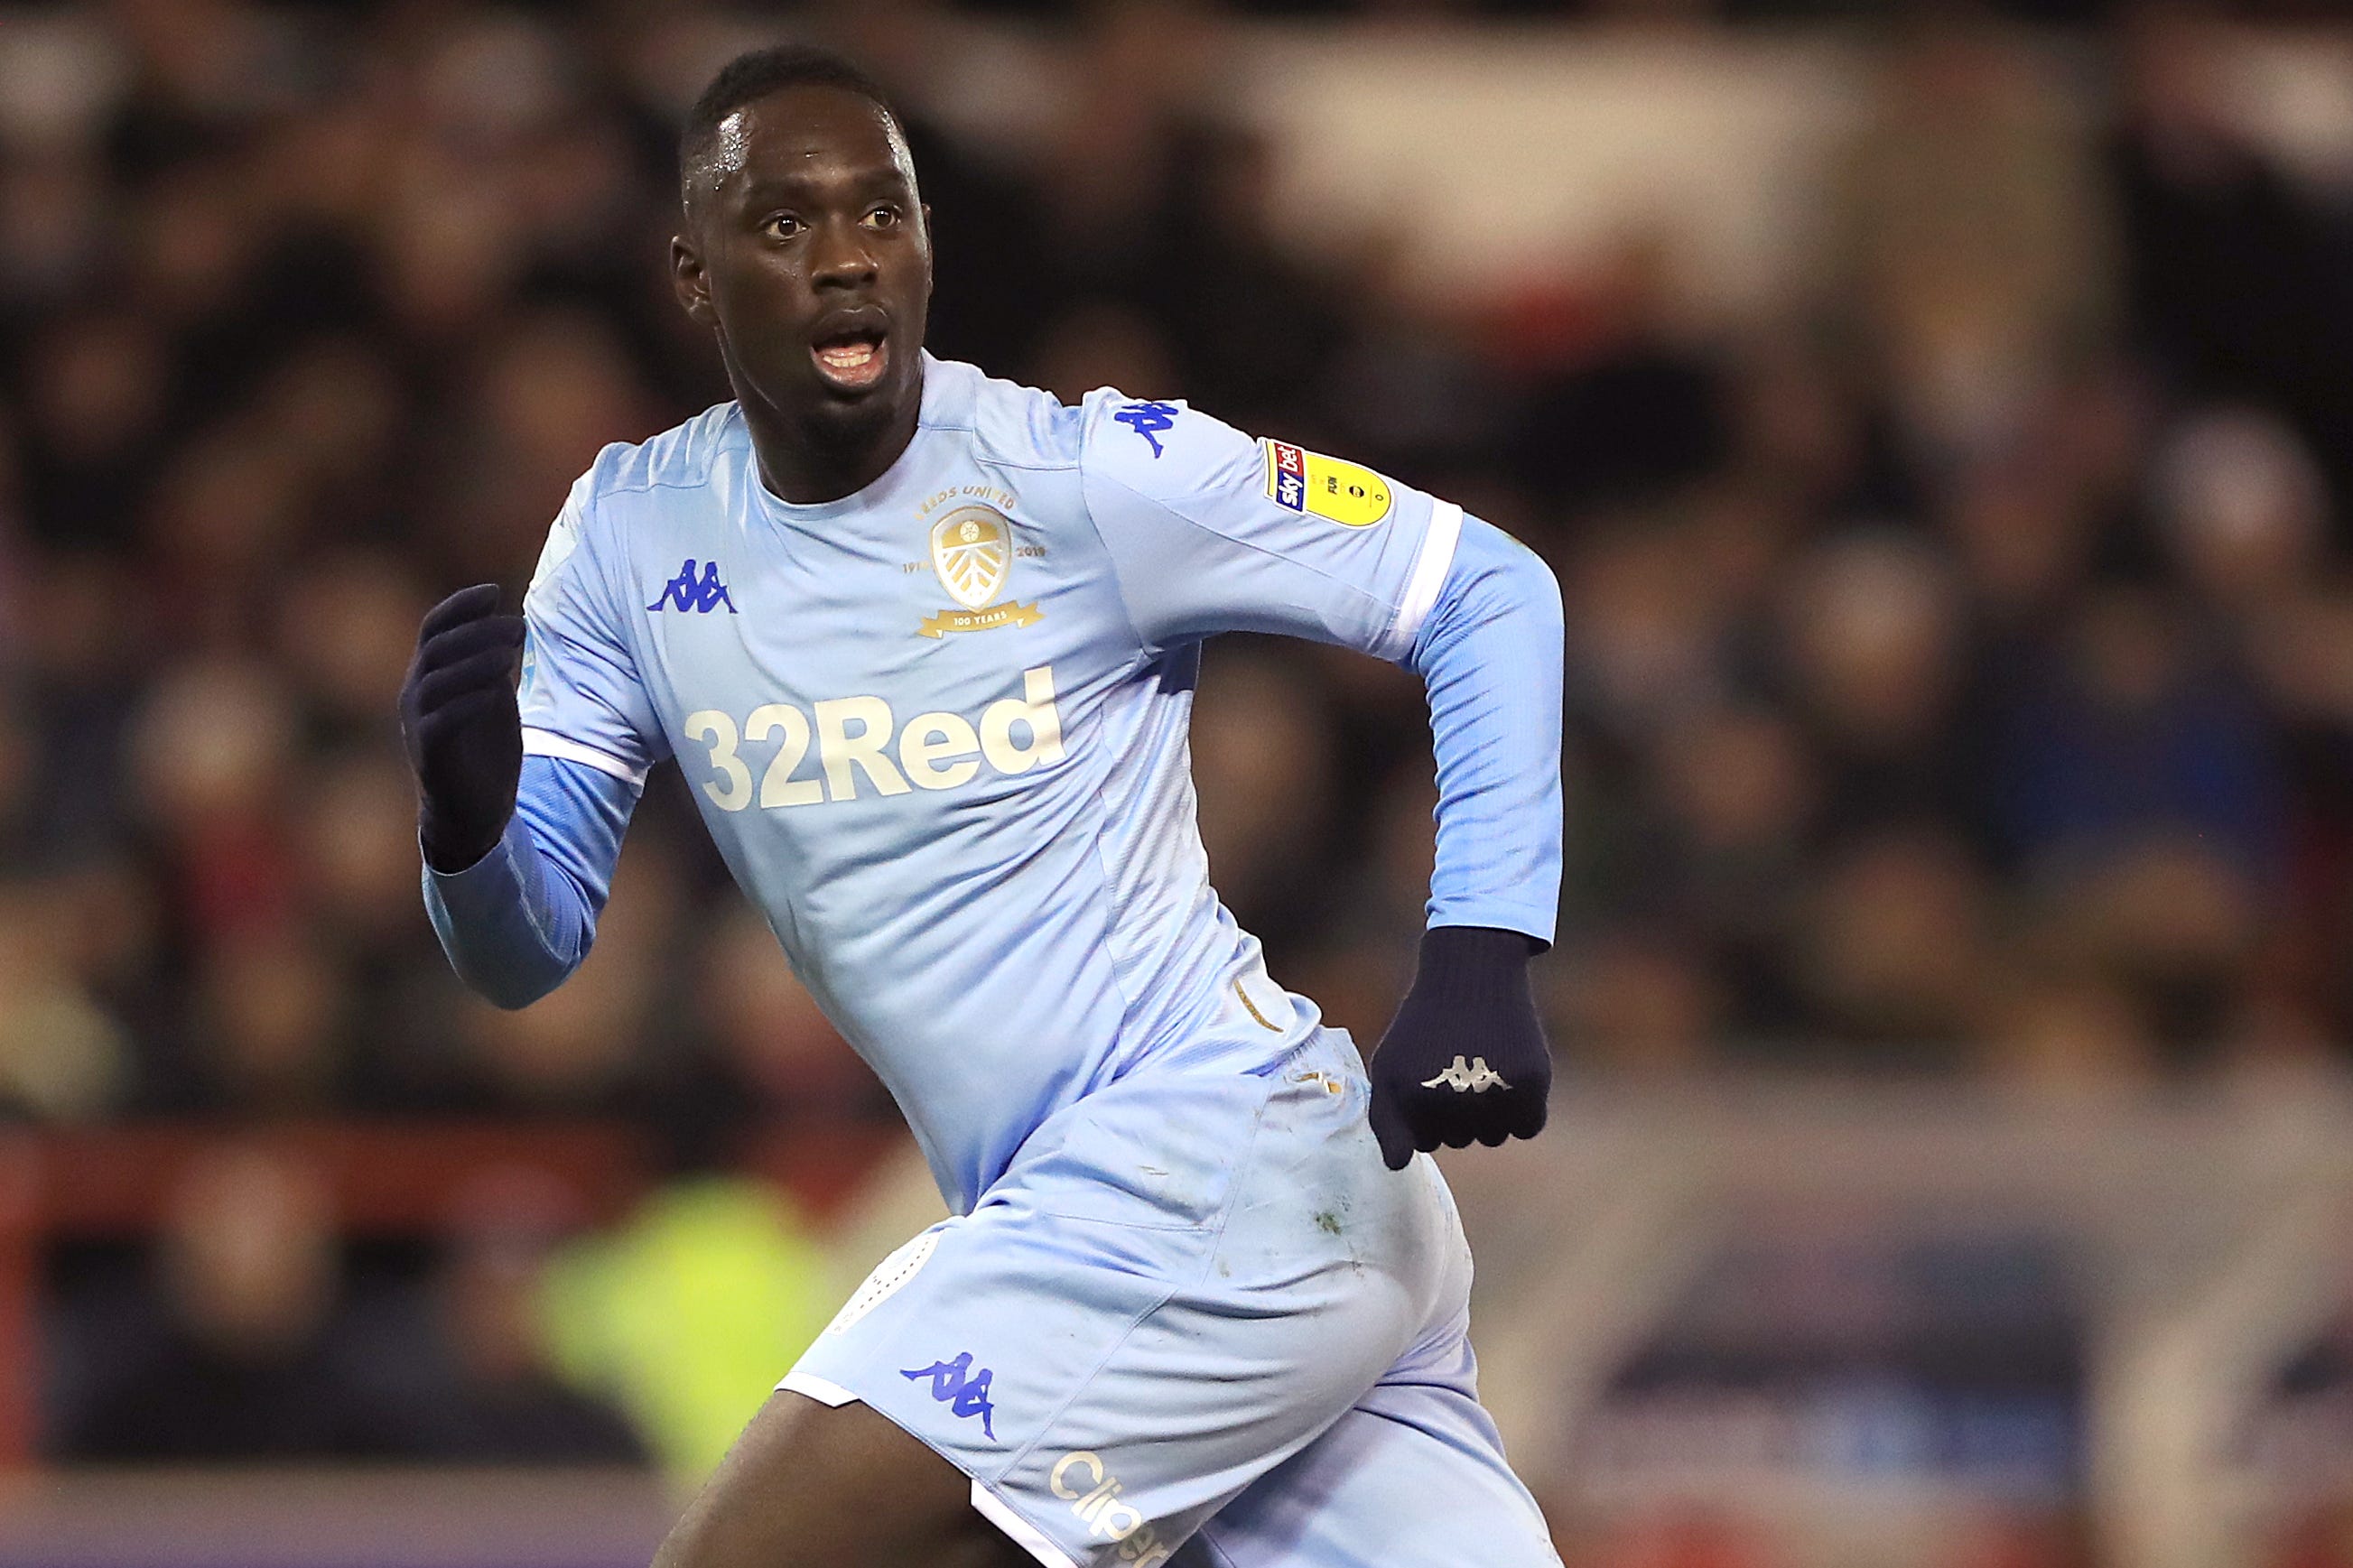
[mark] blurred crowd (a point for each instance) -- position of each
(1961, 656)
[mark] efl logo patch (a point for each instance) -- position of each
(684, 592)
(1346, 493)
(964, 1391)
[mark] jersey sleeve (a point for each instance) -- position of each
(1210, 531)
(582, 699)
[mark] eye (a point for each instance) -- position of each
(783, 226)
(882, 217)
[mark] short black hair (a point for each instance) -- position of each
(753, 75)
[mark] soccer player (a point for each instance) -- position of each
(924, 645)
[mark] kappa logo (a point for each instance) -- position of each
(1094, 1493)
(1148, 420)
(685, 592)
(1474, 1077)
(964, 1391)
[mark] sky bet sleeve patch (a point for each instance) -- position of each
(1346, 493)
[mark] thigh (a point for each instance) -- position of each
(1175, 1294)
(1413, 1476)
(810, 1487)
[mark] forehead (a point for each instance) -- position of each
(807, 131)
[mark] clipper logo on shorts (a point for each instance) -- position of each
(964, 1391)
(1092, 1493)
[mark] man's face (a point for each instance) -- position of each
(808, 251)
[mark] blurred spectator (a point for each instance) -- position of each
(1622, 405)
(1871, 638)
(1260, 744)
(2234, 278)
(487, 1392)
(759, 1052)
(2171, 919)
(2136, 729)
(250, 1360)
(1892, 953)
(1633, 1008)
(97, 388)
(2242, 509)
(686, 1315)
(60, 1054)
(2068, 1034)
(1978, 232)
(577, 1049)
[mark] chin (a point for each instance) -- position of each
(856, 413)
(868, 409)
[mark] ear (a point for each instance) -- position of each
(691, 282)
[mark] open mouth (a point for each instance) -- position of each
(852, 359)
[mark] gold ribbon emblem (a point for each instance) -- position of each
(984, 620)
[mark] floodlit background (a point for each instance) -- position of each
(1940, 418)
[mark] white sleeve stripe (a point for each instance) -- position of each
(1429, 576)
(547, 744)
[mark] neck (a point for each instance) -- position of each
(808, 462)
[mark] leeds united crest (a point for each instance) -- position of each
(972, 552)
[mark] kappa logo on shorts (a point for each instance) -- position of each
(1474, 1077)
(964, 1391)
(1093, 1491)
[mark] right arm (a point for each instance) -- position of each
(517, 921)
(524, 796)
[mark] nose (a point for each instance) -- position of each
(843, 260)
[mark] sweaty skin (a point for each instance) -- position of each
(804, 233)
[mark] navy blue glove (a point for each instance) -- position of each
(1465, 1057)
(460, 723)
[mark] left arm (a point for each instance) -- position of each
(1490, 653)
(1208, 531)
(1465, 1057)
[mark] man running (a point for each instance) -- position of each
(924, 643)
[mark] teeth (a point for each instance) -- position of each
(848, 356)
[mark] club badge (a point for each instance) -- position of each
(972, 553)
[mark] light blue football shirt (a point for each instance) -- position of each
(937, 728)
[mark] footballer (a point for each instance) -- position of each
(923, 644)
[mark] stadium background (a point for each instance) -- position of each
(1938, 417)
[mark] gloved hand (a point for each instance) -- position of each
(1465, 1057)
(459, 720)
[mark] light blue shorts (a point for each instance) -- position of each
(1198, 1323)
